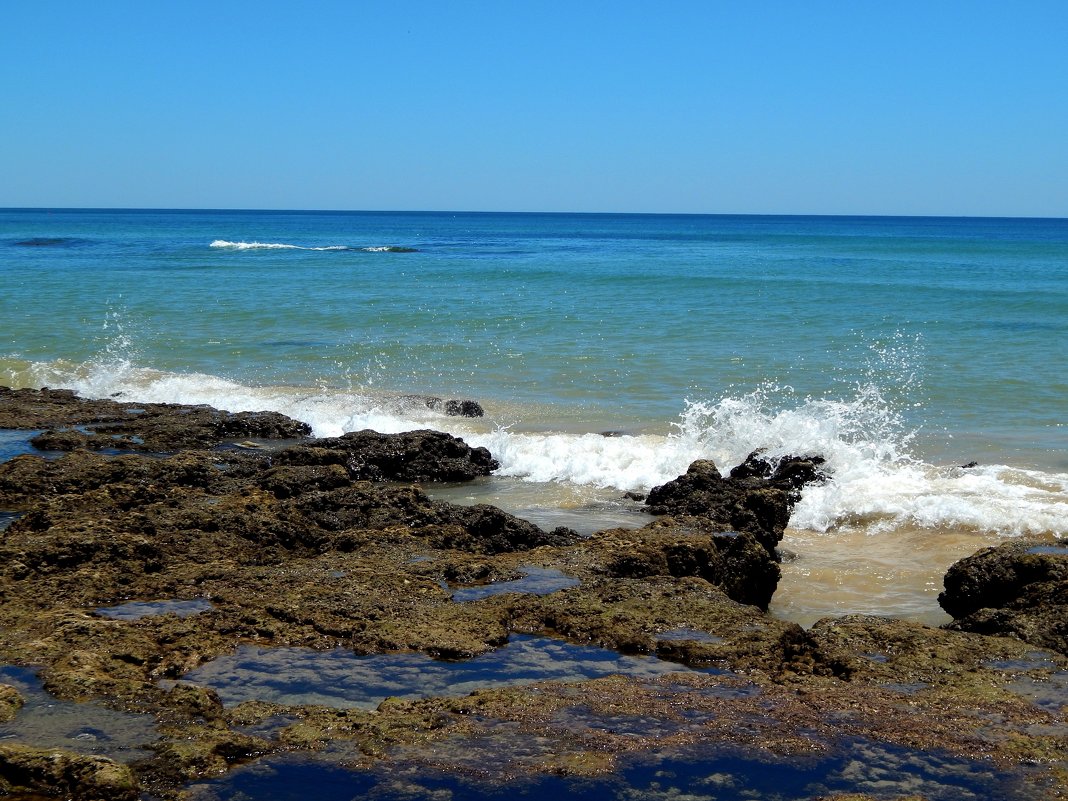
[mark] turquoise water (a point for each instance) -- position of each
(603, 318)
(900, 348)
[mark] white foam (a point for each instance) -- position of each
(625, 463)
(223, 243)
(876, 483)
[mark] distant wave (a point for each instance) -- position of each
(227, 245)
(50, 242)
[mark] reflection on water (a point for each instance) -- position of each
(14, 442)
(707, 773)
(85, 728)
(135, 610)
(340, 678)
(1050, 550)
(549, 504)
(535, 581)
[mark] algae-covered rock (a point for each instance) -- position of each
(1019, 589)
(75, 776)
(410, 456)
(108, 424)
(734, 561)
(11, 702)
(295, 549)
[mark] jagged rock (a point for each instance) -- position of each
(790, 473)
(756, 498)
(412, 456)
(1018, 589)
(734, 561)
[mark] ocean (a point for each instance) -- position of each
(609, 351)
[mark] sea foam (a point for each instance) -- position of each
(228, 245)
(222, 243)
(876, 483)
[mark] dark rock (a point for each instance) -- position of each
(27, 478)
(734, 561)
(789, 473)
(1018, 589)
(288, 481)
(453, 408)
(411, 456)
(62, 440)
(756, 498)
(71, 422)
(464, 408)
(476, 529)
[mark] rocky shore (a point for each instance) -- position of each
(239, 534)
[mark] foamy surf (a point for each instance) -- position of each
(876, 484)
(228, 245)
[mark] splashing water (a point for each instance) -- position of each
(876, 483)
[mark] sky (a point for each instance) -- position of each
(947, 107)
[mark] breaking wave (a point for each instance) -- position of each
(876, 482)
(228, 245)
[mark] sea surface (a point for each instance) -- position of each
(609, 351)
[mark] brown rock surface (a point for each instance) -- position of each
(1018, 589)
(302, 552)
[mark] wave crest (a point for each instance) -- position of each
(228, 245)
(876, 483)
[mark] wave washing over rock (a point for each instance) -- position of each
(877, 484)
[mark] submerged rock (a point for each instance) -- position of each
(1019, 589)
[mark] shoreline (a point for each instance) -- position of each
(326, 546)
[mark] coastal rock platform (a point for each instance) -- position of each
(287, 567)
(1019, 589)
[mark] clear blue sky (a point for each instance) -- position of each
(796, 106)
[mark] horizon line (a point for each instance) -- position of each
(544, 213)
